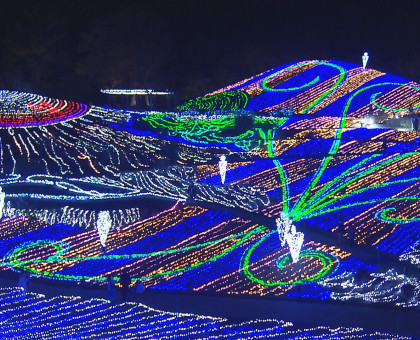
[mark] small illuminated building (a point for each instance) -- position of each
(147, 99)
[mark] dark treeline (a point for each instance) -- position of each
(71, 49)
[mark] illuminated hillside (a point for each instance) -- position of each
(294, 145)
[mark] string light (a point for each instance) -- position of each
(24, 109)
(34, 315)
(135, 91)
(229, 100)
(312, 165)
(379, 287)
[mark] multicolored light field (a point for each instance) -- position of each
(72, 317)
(294, 144)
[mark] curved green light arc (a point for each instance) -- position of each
(302, 200)
(391, 199)
(309, 212)
(382, 215)
(373, 98)
(343, 73)
(24, 264)
(327, 262)
(280, 169)
(326, 160)
(266, 88)
(332, 183)
(318, 205)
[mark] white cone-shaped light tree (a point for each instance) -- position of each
(222, 168)
(287, 234)
(103, 224)
(365, 59)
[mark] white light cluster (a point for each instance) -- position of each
(86, 144)
(108, 114)
(223, 168)
(17, 102)
(75, 217)
(135, 91)
(103, 225)
(287, 234)
(413, 255)
(381, 287)
(171, 182)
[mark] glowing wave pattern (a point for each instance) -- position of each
(25, 110)
(318, 165)
(231, 100)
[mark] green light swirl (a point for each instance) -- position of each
(302, 201)
(333, 182)
(229, 100)
(343, 73)
(309, 211)
(318, 205)
(382, 216)
(13, 261)
(202, 131)
(373, 98)
(328, 261)
(264, 84)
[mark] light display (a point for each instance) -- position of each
(412, 255)
(75, 217)
(103, 224)
(365, 59)
(135, 91)
(230, 100)
(346, 187)
(28, 110)
(380, 287)
(2, 195)
(223, 168)
(35, 316)
(287, 234)
(283, 224)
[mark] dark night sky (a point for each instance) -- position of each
(71, 49)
